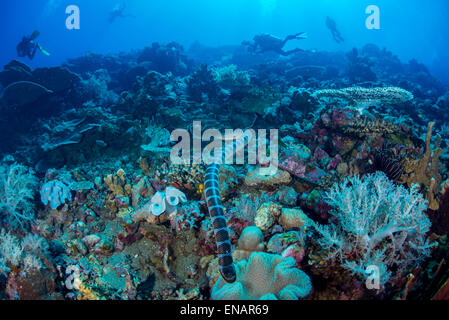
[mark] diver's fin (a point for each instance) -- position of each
(35, 34)
(302, 35)
(43, 50)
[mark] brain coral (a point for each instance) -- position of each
(264, 276)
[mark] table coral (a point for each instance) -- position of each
(366, 96)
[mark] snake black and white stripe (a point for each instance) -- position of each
(216, 212)
(216, 209)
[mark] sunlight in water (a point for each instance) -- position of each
(268, 6)
(50, 7)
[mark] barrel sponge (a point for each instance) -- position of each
(264, 276)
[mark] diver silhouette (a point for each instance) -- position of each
(332, 26)
(267, 42)
(27, 47)
(118, 12)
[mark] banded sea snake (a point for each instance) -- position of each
(216, 211)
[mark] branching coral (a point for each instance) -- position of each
(378, 223)
(246, 205)
(264, 276)
(116, 183)
(96, 88)
(425, 171)
(201, 85)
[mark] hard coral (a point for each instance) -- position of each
(365, 96)
(425, 171)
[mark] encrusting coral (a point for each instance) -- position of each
(143, 231)
(116, 183)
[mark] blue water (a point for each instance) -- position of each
(409, 28)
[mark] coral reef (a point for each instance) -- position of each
(361, 180)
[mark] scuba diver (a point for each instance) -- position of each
(27, 47)
(118, 12)
(332, 26)
(267, 42)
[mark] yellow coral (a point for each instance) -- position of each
(116, 183)
(143, 164)
(121, 175)
(86, 293)
(365, 96)
(425, 171)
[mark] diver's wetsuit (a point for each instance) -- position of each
(27, 47)
(332, 26)
(265, 42)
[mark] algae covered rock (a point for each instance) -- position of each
(293, 218)
(267, 178)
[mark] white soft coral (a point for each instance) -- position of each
(17, 188)
(378, 222)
